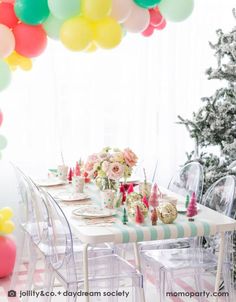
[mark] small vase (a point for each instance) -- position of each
(108, 198)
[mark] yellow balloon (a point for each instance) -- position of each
(76, 33)
(96, 9)
(108, 33)
(26, 64)
(92, 47)
(6, 213)
(7, 227)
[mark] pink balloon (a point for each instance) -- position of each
(1, 118)
(7, 41)
(7, 256)
(162, 25)
(138, 20)
(155, 16)
(149, 31)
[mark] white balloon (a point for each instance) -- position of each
(7, 41)
(121, 9)
(138, 20)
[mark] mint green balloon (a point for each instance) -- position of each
(176, 10)
(3, 142)
(64, 9)
(52, 27)
(5, 75)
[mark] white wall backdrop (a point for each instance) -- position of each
(130, 96)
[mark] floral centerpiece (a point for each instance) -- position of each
(110, 165)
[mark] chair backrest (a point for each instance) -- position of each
(188, 180)
(59, 239)
(221, 196)
(31, 211)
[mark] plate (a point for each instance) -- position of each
(51, 182)
(181, 208)
(65, 196)
(93, 212)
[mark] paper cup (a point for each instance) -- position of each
(78, 184)
(62, 172)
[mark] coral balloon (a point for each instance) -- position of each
(5, 79)
(76, 33)
(1, 118)
(96, 9)
(149, 31)
(7, 15)
(7, 256)
(121, 9)
(52, 27)
(108, 33)
(30, 40)
(155, 17)
(3, 140)
(32, 12)
(8, 1)
(147, 3)
(176, 11)
(64, 9)
(7, 41)
(138, 20)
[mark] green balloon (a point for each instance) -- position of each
(147, 3)
(64, 9)
(32, 12)
(176, 10)
(5, 75)
(3, 142)
(52, 26)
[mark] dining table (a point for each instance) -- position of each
(111, 230)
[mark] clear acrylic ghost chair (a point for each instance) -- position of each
(31, 216)
(188, 180)
(166, 266)
(106, 273)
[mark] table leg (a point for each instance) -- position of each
(219, 263)
(85, 270)
(138, 266)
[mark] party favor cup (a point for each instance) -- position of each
(62, 172)
(108, 198)
(78, 184)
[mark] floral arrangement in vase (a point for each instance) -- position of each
(109, 166)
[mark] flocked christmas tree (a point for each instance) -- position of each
(192, 207)
(139, 217)
(153, 199)
(215, 122)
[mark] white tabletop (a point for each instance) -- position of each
(207, 222)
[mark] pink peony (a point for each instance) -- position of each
(130, 157)
(115, 171)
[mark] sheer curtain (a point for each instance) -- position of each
(78, 103)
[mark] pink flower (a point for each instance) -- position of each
(115, 171)
(130, 157)
(105, 166)
(92, 160)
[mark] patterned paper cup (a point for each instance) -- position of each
(62, 172)
(78, 184)
(108, 198)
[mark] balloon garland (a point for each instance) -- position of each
(81, 25)
(7, 245)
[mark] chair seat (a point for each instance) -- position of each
(166, 244)
(93, 251)
(178, 259)
(99, 268)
